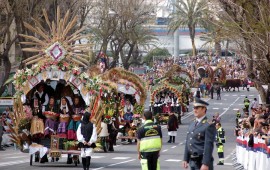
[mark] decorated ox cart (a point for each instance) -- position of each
(171, 93)
(54, 90)
(131, 92)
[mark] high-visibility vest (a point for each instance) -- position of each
(151, 140)
(221, 135)
(246, 102)
(238, 114)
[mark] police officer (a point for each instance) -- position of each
(149, 143)
(200, 140)
(238, 116)
(220, 139)
(246, 103)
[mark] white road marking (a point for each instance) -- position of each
(215, 108)
(19, 153)
(14, 162)
(122, 162)
(13, 157)
(236, 109)
(241, 104)
(225, 108)
(243, 95)
(228, 164)
(229, 106)
(173, 147)
(99, 168)
(227, 157)
(97, 157)
(191, 113)
(234, 95)
(122, 158)
(116, 146)
(217, 103)
(165, 150)
(173, 160)
(115, 164)
(251, 95)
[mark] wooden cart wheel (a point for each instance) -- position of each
(31, 159)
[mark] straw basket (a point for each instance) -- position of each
(64, 118)
(51, 115)
(130, 133)
(77, 117)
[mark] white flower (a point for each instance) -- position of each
(29, 72)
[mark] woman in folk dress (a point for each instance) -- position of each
(172, 127)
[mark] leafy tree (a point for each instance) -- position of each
(120, 28)
(156, 52)
(189, 13)
(247, 26)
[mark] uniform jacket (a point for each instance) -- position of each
(200, 141)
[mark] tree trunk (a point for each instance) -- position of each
(194, 51)
(218, 48)
(227, 48)
(192, 37)
(7, 66)
(262, 92)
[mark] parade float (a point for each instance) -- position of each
(59, 68)
(175, 84)
(219, 74)
(130, 87)
(212, 74)
(205, 74)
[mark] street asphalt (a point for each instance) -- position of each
(125, 156)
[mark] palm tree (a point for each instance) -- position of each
(188, 13)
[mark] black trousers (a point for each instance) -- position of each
(152, 158)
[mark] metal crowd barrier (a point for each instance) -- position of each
(253, 158)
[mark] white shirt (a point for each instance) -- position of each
(46, 98)
(200, 119)
(104, 130)
(93, 138)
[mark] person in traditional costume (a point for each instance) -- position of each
(65, 113)
(128, 109)
(167, 102)
(51, 123)
(42, 97)
(87, 136)
(75, 121)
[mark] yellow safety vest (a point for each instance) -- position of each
(151, 141)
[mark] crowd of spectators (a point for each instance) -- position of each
(234, 67)
(254, 124)
(5, 120)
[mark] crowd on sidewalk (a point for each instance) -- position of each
(5, 120)
(254, 122)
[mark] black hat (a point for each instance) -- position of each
(199, 102)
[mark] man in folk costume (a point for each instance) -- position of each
(43, 99)
(172, 127)
(87, 136)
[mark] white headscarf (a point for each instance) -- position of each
(66, 105)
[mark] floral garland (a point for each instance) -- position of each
(138, 109)
(22, 76)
